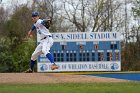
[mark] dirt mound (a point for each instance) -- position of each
(33, 78)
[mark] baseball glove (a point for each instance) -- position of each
(47, 22)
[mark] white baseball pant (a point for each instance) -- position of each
(43, 47)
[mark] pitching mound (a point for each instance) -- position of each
(32, 78)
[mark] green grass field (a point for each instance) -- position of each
(130, 87)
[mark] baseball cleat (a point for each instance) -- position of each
(54, 66)
(28, 71)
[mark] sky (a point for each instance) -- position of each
(8, 3)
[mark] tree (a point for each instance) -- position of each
(136, 14)
(14, 52)
(50, 8)
(75, 13)
(131, 51)
(3, 19)
(106, 15)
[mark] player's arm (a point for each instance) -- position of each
(30, 32)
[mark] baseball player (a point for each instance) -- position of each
(46, 41)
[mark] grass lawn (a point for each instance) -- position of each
(130, 87)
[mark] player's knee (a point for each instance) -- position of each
(32, 58)
(45, 51)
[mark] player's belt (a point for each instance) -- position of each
(46, 37)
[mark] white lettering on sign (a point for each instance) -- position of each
(81, 66)
(85, 36)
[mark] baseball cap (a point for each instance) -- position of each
(35, 13)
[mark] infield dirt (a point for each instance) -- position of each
(42, 78)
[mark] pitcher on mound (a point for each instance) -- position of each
(46, 41)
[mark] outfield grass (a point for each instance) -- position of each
(130, 87)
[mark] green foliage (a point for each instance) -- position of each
(15, 59)
(22, 55)
(14, 52)
(5, 55)
(17, 27)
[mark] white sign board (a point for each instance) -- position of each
(81, 66)
(66, 38)
(85, 36)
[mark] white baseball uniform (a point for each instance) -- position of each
(46, 40)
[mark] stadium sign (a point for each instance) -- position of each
(83, 51)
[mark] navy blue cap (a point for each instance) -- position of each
(35, 13)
